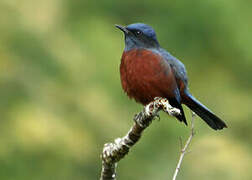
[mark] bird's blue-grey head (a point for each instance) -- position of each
(139, 35)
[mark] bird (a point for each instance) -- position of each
(148, 71)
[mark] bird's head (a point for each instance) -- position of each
(139, 35)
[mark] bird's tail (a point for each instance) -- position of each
(210, 118)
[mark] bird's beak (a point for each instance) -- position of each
(122, 28)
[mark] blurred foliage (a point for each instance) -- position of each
(61, 97)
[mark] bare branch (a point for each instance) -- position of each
(114, 152)
(184, 149)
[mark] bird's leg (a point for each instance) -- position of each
(163, 103)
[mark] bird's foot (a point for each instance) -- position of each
(164, 104)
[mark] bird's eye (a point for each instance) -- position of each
(138, 33)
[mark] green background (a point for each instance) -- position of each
(61, 97)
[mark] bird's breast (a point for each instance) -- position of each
(145, 75)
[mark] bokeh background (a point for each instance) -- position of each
(61, 97)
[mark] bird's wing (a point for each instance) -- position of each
(177, 67)
(173, 85)
(176, 102)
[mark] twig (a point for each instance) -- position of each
(184, 149)
(114, 152)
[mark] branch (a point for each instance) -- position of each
(114, 152)
(184, 149)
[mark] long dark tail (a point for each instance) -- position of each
(210, 118)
